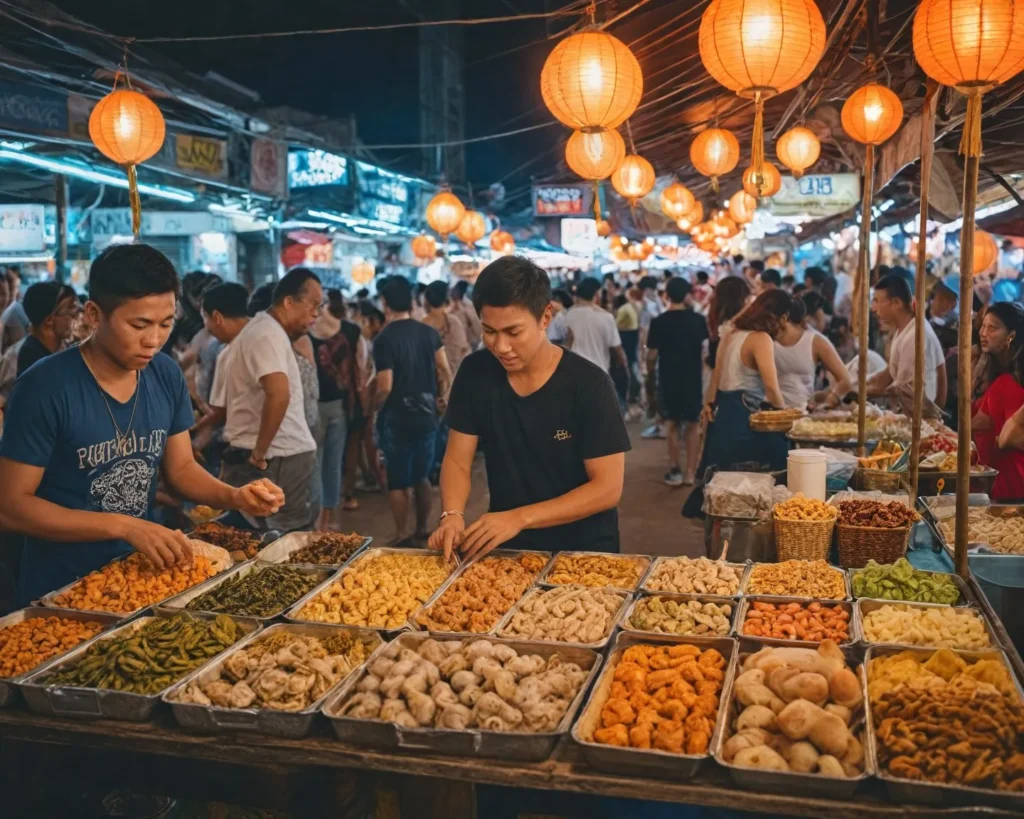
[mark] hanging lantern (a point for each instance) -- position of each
(693, 217)
(742, 206)
(872, 114)
(472, 228)
(715, 152)
(725, 225)
(760, 48)
(633, 179)
(603, 228)
(128, 128)
(591, 80)
(770, 181)
(798, 149)
(985, 252)
(362, 272)
(594, 155)
(676, 201)
(444, 213)
(615, 240)
(502, 242)
(424, 247)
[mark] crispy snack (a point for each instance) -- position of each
(244, 544)
(815, 428)
(797, 578)
(681, 617)
(328, 549)
(813, 622)
(688, 575)
(901, 581)
(379, 591)
(886, 673)
(133, 583)
(799, 507)
(203, 514)
(483, 594)
(663, 698)
(596, 570)
(892, 515)
(945, 627)
(1002, 534)
(260, 593)
(149, 658)
(568, 614)
(32, 642)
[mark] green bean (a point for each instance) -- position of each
(261, 593)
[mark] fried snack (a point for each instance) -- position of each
(263, 592)
(126, 585)
(283, 671)
(203, 514)
(149, 657)
(797, 578)
(596, 570)
(815, 428)
(1002, 534)
(892, 515)
(32, 642)
(799, 507)
(887, 672)
(482, 594)
(566, 614)
(813, 622)
(901, 581)
(687, 575)
(382, 590)
(244, 545)
(681, 617)
(945, 627)
(663, 698)
(328, 549)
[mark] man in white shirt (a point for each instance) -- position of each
(594, 334)
(266, 427)
(892, 304)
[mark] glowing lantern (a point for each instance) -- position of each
(741, 207)
(603, 228)
(634, 178)
(715, 152)
(594, 155)
(128, 128)
(798, 149)
(872, 114)
(472, 228)
(362, 272)
(770, 178)
(640, 251)
(502, 242)
(615, 240)
(693, 217)
(724, 225)
(985, 251)
(445, 213)
(591, 80)
(676, 201)
(424, 247)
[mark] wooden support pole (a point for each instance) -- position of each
(864, 278)
(61, 202)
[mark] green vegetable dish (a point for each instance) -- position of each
(901, 581)
(264, 592)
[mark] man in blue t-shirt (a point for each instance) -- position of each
(87, 430)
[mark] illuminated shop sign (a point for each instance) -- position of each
(313, 168)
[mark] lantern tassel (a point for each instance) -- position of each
(714, 184)
(757, 148)
(134, 201)
(597, 202)
(970, 140)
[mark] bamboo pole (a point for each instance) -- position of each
(864, 277)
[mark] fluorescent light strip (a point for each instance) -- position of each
(90, 175)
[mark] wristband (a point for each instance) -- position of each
(451, 512)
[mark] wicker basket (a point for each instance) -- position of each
(859, 544)
(878, 479)
(802, 539)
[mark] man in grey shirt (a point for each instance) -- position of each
(594, 334)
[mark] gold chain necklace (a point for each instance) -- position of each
(122, 437)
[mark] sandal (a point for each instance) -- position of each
(350, 505)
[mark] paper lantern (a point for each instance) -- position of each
(742, 206)
(603, 228)
(639, 251)
(634, 178)
(872, 114)
(445, 212)
(591, 80)
(594, 155)
(676, 201)
(770, 181)
(798, 149)
(472, 228)
(724, 225)
(985, 252)
(502, 242)
(362, 272)
(715, 152)
(693, 217)
(424, 247)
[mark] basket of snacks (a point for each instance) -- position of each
(872, 530)
(803, 528)
(775, 420)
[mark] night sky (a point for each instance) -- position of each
(372, 75)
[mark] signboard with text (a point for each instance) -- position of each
(816, 195)
(204, 155)
(383, 196)
(32, 109)
(268, 167)
(314, 168)
(22, 229)
(118, 222)
(562, 200)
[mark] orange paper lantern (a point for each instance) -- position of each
(798, 149)
(634, 178)
(424, 247)
(872, 114)
(715, 152)
(694, 217)
(985, 252)
(362, 272)
(445, 212)
(603, 228)
(472, 228)
(596, 155)
(724, 225)
(591, 80)
(771, 181)
(676, 201)
(742, 206)
(502, 242)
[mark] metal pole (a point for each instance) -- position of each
(863, 275)
(61, 200)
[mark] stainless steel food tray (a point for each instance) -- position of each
(744, 589)
(733, 602)
(289, 724)
(866, 605)
(966, 597)
(9, 685)
(742, 568)
(455, 635)
(792, 782)
(69, 701)
(474, 742)
(281, 549)
(181, 601)
(745, 604)
(936, 793)
(647, 761)
(596, 646)
(645, 559)
(993, 509)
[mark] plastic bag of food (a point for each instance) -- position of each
(739, 495)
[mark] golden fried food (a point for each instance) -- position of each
(566, 614)
(590, 569)
(681, 617)
(797, 578)
(688, 575)
(1002, 534)
(813, 622)
(799, 507)
(889, 672)
(27, 644)
(382, 590)
(483, 594)
(934, 626)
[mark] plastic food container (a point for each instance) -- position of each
(806, 472)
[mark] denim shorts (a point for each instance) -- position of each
(408, 451)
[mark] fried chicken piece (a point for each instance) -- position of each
(639, 699)
(636, 655)
(681, 688)
(629, 671)
(685, 651)
(619, 691)
(697, 742)
(647, 716)
(673, 709)
(659, 679)
(640, 736)
(617, 712)
(616, 735)
(668, 736)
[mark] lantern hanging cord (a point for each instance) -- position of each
(970, 139)
(629, 133)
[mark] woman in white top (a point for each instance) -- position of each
(799, 350)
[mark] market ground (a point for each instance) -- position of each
(649, 519)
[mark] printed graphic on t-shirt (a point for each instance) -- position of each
(121, 472)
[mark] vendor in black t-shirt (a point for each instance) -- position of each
(549, 424)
